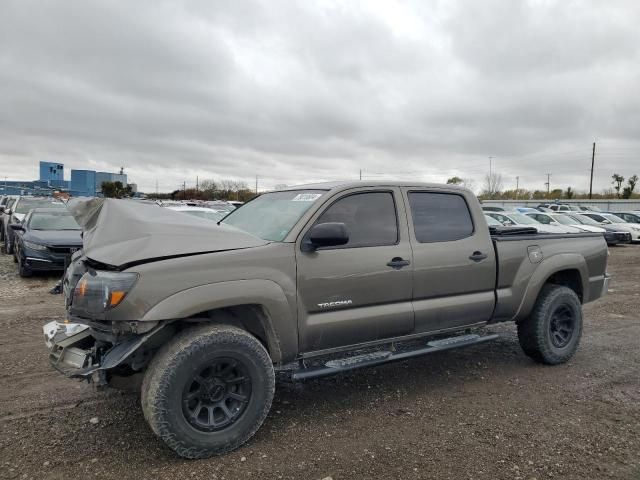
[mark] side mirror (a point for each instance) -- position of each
(17, 227)
(328, 234)
(606, 222)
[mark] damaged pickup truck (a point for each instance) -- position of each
(311, 281)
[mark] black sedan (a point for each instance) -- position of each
(45, 240)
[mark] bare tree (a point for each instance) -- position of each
(492, 184)
(208, 186)
(469, 183)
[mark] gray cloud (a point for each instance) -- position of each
(308, 91)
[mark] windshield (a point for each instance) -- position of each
(53, 221)
(212, 215)
(522, 219)
(585, 220)
(613, 218)
(26, 204)
(564, 219)
(271, 216)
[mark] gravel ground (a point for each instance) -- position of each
(486, 412)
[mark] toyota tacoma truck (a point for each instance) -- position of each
(310, 281)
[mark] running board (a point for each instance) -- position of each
(372, 359)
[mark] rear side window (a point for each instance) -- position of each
(439, 217)
(370, 219)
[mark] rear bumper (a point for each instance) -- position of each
(605, 284)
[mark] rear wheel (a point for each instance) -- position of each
(8, 245)
(552, 332)
(208, 391)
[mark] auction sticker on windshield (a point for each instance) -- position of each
(306, 197)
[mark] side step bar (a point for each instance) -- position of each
(372, 359)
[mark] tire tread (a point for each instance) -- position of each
(158, 377)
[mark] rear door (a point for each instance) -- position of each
(353, 293)
(454, 271)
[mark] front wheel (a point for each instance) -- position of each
(208, 391)
(23, 270)
(552, 332)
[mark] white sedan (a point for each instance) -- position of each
(611, 219)
(560, 220)
(517, 218)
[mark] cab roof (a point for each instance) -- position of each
(346, 184)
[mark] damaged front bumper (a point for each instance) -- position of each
(70, 346)
(74, 351)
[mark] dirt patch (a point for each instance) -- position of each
(485, 412)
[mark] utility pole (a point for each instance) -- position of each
(490, 182)
(548, 184)
(517, 186)
(197, 186)
(593, 158)
(360, 174)
(256, 184)
(184, 190)
(156, 187)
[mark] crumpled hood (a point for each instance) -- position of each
(124, 232)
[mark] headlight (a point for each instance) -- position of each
(637, 229)
(98, 291)
(33, 246)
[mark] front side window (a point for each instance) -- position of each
(440, 217)
(542, 219)
(370, 218)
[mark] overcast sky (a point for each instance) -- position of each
(307, 91)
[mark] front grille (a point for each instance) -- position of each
(63, 250)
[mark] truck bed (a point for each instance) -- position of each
(526, 261)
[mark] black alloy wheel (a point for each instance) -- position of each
(561, 326)
(217, 396)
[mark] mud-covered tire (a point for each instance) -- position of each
(177, 366)
(552, 332)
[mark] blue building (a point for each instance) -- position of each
(51, 172)
(24, 187)
(109, 177)
(83, 183)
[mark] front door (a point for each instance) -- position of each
(362, 290)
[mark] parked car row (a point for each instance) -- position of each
(544, 207)
(39, 232)
(618, 228)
